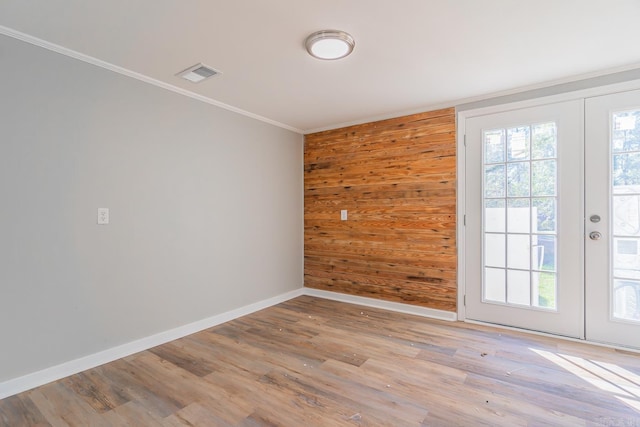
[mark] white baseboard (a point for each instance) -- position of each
(386, 305)
(63, 370)
(54, 373)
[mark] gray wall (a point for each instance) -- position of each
(206, 209)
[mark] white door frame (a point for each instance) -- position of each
(461, 161)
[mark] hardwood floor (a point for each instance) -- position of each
(314, 362)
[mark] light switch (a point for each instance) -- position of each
(343, 215)
(103, 216)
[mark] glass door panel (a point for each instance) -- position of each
(520, 185)
(625, 179)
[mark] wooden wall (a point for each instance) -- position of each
(396, 178)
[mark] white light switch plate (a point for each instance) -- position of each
(343, 215)
(103, 216)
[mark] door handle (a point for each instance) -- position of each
(595, 235)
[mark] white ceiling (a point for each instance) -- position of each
(410, 55)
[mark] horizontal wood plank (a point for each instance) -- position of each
(397, 180)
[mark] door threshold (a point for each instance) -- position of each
(549, 335)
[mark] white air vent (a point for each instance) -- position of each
(198, 73)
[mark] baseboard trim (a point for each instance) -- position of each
(63, 370)
(386, 305)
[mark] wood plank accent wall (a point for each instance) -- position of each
(397, 179)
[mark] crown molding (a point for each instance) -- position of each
(135, 75)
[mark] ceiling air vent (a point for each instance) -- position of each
(198, 73)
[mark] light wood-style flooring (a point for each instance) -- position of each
(315, 362)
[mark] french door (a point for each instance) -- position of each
(612, 201)
(523, 223)
(552, 235)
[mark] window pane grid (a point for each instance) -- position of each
(625, 209)
(520, 215)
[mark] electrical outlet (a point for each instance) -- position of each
(343, 215)
(103, 216)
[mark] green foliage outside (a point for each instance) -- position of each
(547, 291)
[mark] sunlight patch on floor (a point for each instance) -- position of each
(623, 384)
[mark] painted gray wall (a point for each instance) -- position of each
(206, 209)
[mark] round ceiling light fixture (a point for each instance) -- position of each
(329, 44)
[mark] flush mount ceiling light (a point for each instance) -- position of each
(329, 44)
(198, 73)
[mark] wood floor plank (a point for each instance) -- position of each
(62, 407)
(97, 390)
(316, 362)
(121, 372)
(133, 414)
(197, 414)
(20, 410)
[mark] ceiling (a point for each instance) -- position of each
(410, 55)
